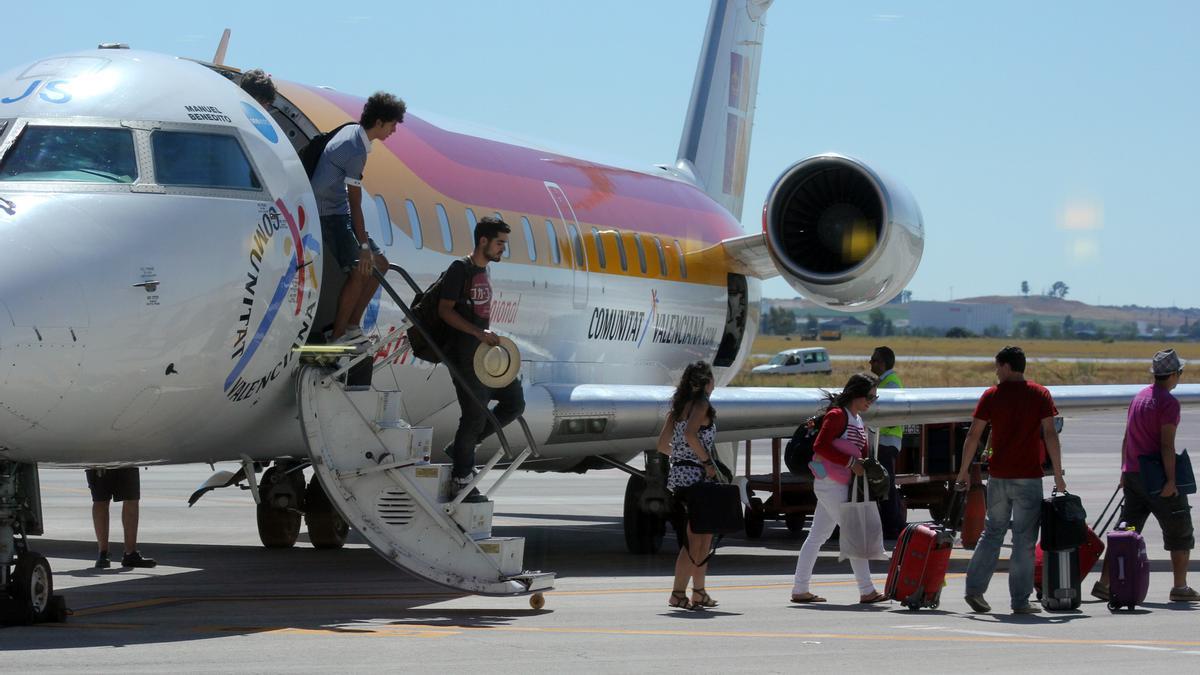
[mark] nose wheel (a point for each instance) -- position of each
(30, 593)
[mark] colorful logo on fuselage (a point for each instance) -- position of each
(260, 122)
(275, 219)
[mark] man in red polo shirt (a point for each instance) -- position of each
(1021, 413)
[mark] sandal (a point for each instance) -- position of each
(806, 598)
(679, 600)
(705, 600)
(872, 598)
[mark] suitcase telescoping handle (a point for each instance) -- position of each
(1111, 516)
(954, 512)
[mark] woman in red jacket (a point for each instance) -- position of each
(838, 452)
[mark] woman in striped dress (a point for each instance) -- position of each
(838, 452)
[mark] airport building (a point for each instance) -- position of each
(977, 318)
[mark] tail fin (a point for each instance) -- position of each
(219, 57)
(715, 146)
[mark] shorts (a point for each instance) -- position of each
(1173, 513)
(116, 485)
(339, 239)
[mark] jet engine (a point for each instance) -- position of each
(841, 234)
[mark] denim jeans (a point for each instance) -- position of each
(1014, 503)
(473, 423)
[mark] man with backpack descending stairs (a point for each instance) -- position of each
(334, 162)
(464, 306)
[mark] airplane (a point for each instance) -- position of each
(162, 271)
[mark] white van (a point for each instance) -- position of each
(797, 361)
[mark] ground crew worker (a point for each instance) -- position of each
(891, 509)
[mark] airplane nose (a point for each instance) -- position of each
(43, 312)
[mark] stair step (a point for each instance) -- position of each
(375, 469)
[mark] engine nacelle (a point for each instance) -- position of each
(842, 235)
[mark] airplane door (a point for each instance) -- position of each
(579, 265)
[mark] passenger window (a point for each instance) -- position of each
(662, 256)
(577, 247)
(599, 248)
(621, 252)
(810, 358)
(682, 260)
(507, 249)
(385, 221)
(529, 240)
(74, 154)
(471, 223)
(444, 221)
(195, 159)
(414, 222)
(555, 251)
(637, 241)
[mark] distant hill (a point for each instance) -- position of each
(1029, 307)
(1041, 305)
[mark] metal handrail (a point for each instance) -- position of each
(454, 374)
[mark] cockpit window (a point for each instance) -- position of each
(75, 154)
(197, 159)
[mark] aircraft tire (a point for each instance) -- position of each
(31, 591)
(326, 528)
(755, 522)
(279, 514)
(643, 531)
(278, 528)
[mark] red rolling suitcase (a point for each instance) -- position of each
(920, 559)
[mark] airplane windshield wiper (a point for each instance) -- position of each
(9, 207)
(103, 174)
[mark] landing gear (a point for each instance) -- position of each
(26, 582)
(31, 591)
(326, 529)
(281, 490)
(647, 507)
(755, 522)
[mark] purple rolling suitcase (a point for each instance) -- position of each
(1128, 569)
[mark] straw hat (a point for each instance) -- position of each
(497, 366)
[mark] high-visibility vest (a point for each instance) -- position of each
(891, 381)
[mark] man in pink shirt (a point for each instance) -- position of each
(1150, 429)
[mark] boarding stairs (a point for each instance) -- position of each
(376, 469)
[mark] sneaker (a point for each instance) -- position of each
(353, 332)
(1184, 594)
(473, 497)
(1027, 609)
(102, 561)
(1100, 591)
(135, 559)
(978, 604)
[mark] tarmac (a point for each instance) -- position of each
(219, 602)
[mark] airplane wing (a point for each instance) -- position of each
(748, 255)
(637, 411)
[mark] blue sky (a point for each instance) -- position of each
(1043, 141)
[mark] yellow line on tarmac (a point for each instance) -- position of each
(446, 595)
(439, 631)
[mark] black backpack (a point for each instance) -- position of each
(799, 450)
(425, 309)
(310, 156)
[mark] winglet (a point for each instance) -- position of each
(219, 57)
